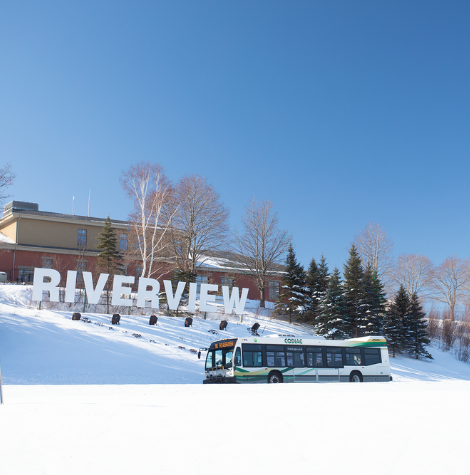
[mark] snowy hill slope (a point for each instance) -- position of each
(47, 347)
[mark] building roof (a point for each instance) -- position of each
(231, 261)
(74, 217)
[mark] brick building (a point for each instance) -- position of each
(31, 238)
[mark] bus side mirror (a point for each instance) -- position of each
(199, 355)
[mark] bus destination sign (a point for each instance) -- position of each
(224, 344)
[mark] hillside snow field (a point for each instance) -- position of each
(92, 398)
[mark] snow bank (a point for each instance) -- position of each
(248, 429)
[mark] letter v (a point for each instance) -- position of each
(93, 295)
(173, 301)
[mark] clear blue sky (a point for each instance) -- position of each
(340, 112)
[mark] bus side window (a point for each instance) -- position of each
(314, 357)
(238, 357)
(252, 355)
(372, 356)
(275, 356)
(353, 356)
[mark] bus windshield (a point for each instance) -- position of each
(218, 359)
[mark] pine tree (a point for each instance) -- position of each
(330, 323)
(311, 307)
(109, 259)
(374, 302)
(418, 330)
(323, 279)
(396, 326)
(316, 287)
(292, 297)
(355, 318)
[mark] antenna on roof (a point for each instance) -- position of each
(89, 196)
(73, 204)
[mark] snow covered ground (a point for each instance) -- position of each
(84, 398)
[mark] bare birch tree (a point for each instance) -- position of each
(150, 190)
(375, 249)
(450, 282)
(6, 180)
(200, 222)
(413, 272)
(261, 243)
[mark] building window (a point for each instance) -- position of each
(81, 268)
(81, 237)
(227, 281)
(47, 262)
(26, 275)
(273, 290)
(123, 242)
(201, 279)
(178, 248)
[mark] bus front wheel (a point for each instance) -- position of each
(275, 377)
(355, 377)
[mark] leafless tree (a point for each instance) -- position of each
(6, 180)
(200, 222)
(450, 282)
(150, 190)
(413, 272)
(375, 249)
(262, 243)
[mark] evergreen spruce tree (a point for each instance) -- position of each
(316, 281)
(292, 297)
(110, 258)
(374, 302)
(323, 279)
(396, 325)
(355, 317)
(418, 338)
(330, 323)
(311, 306)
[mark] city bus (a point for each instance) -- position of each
(289, 359)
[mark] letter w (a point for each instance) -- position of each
(233, 300)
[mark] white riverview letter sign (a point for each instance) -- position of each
(148, 290)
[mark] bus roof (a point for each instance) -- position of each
(366, 341)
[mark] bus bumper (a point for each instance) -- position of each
(221, 380)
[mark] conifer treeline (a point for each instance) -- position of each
(352, 306)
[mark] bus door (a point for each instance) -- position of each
(333, 357)
(326, 362)
(296, 360)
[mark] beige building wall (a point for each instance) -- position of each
(56, 234)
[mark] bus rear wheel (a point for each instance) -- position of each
(355, 377)
(275, 377)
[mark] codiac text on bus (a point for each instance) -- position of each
(48, 280)
(295, 341)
